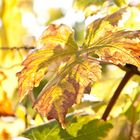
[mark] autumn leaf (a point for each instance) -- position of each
(86, 72)
(56, 47)
(111, 43)
(97, 29)
(68, 73)
(56, 100)
(122, 47)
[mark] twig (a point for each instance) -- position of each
(18, 48)
(114, 98)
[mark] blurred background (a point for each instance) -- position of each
(21, 24)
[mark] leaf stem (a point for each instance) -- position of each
(116, 94)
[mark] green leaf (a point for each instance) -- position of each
(48, 131)
(94, 130)
(80, 129)
(54, 14)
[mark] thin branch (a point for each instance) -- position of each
(18, 48)
(114, 98)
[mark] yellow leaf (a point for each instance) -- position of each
(57, 46)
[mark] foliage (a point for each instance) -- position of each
(70, 70)
(111, 44)
(80, 129)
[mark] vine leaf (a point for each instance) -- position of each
(56, 46)
(97, 29)
(86, 72)
(95, 129)
(122, 47)
(67, 72)
(56, 100)
(114, 45)
(81, 128)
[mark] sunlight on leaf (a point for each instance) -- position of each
(97, 29)
(57, 46)
(114, 45)
(58, 61)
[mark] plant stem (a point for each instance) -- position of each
(116, 94)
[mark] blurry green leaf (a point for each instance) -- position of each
(54, 14)
(11, 19)
(11, 14)
(52, 130)
(82, 4)
(95, 129)
(121, 129)
(44, 132)
(120, 2)
(81, 129)
(79, 28)
(132, 113)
